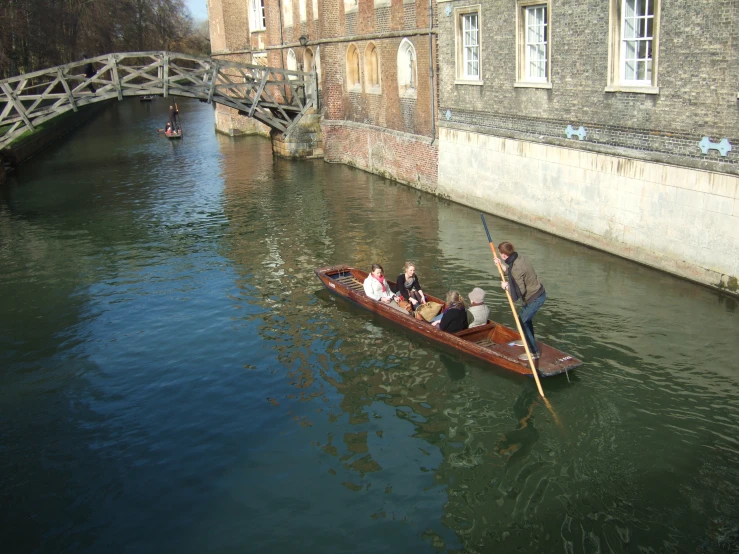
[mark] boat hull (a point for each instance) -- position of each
(491, 343)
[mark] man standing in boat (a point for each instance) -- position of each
(173, 113)
(523, 284)
(89, 72)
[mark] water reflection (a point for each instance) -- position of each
(175, 369)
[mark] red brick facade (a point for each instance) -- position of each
(386, 129)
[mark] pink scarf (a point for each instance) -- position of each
(382, 282)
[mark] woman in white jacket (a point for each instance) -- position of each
(377, 287)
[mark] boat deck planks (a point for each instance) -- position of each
(492, 343)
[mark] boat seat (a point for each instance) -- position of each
(350, 282)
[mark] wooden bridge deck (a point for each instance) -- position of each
(276, 97)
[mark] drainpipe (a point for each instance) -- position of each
(431, 69)
(282, 42)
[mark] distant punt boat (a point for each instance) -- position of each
(147, 98)
(491, 343)
(174, 134)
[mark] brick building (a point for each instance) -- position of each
(587, 119)
(609, 122)
(375, 77)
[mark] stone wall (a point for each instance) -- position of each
(696, 86)
(681, 220)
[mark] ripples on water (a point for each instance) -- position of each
(175, 380)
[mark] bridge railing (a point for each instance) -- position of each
(277, 97)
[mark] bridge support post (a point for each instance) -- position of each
(304, 140)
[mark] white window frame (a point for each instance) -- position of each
(257, 19)
(315, 10)
(407, 61)
(621, 23)
(351, 6)
(462, 18)
(303, 10)
(524, 9)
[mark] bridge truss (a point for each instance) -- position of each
(276, 97)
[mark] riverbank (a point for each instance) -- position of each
(28, 145)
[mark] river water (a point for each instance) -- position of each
(174, 378)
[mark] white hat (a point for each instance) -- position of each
(477, 295)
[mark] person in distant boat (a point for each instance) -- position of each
(409, 287)
(523, 284)
(454, 316)
(173, 113)
(89, 72)
(478, 312)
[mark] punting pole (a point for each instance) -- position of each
(513, 309)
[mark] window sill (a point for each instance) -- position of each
(262, 30)
(382, 3)
(357, 89)
(529, 84)
(475, 83)
(377, 90)
(632, 88)
(410, 94)
(353, 9)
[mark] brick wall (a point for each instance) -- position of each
(402, 157)
(698, 79)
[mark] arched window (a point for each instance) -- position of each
(292, 62)
(352, 69)
(407, 70)
(309, 64)
(317, 63)
(372, 68)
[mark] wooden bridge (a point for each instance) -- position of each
(276, 97)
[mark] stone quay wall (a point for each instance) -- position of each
(677, 219)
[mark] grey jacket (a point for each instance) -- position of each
(526, 278)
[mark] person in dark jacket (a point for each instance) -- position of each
(409, 287)
(454, 317)
(173, 113)
(523, 284)
(89, 72)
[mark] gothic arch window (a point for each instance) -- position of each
(353, 82)
(317, 63)
(309, 64)
(407, 69)
(372, 68)
(292, 62)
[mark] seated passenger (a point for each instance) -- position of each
(454, 317)
(376, 286)
(478, 312)
(409, 287)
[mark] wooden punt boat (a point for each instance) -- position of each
(492, 343)
(174, 134)
(146, 98)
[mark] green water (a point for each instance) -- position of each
(173, 378)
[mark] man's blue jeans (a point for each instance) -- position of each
(526, 316)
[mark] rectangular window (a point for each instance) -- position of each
(536, 43)
(303, 11)
(315, 9)
(257, 21)
(637, 30)
(468, 44)
(287, 13)
(633, 47)
(532, 44)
